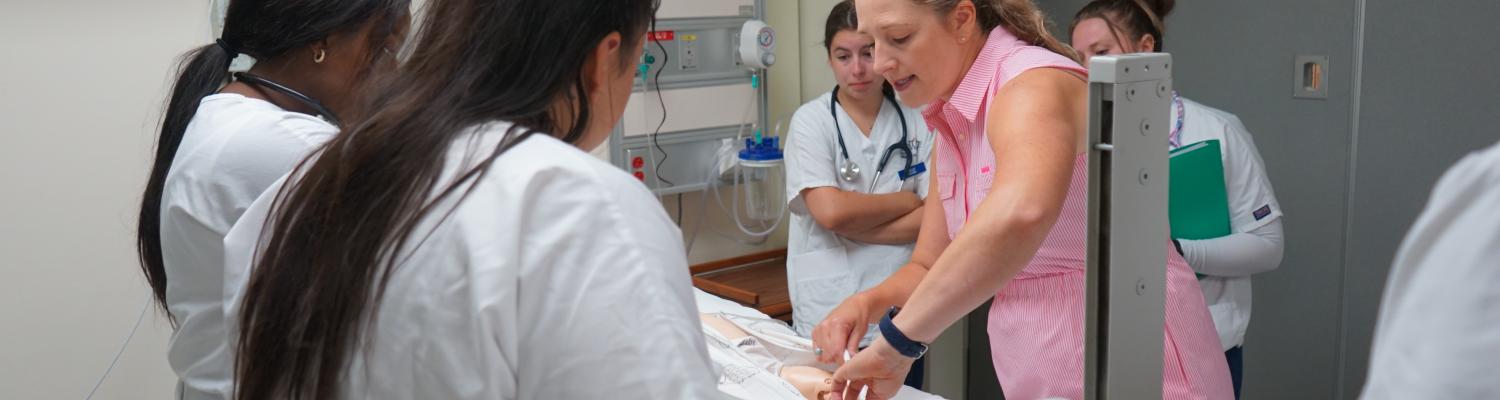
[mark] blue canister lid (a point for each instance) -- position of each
(762, 150)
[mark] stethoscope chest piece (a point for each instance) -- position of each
(849, 171)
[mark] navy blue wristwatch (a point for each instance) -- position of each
(907, 347)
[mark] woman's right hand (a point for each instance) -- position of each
(842, 329)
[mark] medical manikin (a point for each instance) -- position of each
(758, 358)
(751, 362)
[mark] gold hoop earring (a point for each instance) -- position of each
(318, 59)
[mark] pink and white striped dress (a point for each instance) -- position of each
(1036, 323)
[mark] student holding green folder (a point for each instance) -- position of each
(1225, 218)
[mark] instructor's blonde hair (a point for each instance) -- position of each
(1021, 17)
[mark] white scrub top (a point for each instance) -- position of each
(557, 277)
(1252, 205)
(234, 148)
(1438, 334)
(823, 268)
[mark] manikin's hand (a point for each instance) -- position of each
(842, 330)
(813, 383)
(880, 368)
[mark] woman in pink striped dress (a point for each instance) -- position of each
(1009, 222)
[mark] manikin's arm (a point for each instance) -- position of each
(724, 327)
(811, 382)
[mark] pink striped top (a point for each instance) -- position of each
(1036, 322)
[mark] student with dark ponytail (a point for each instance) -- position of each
(1254, 244)
(226, 137)
(458, 241)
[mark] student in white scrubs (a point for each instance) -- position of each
(459, 242)
(1224, 264)
(1438, 334)
(847, 235)
(222, 145)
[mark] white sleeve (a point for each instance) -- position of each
(241, 245)
(606, 304)
(1239, 254)
(812, 157)
(1436, 336)
(1256, 244)
(1252, 200)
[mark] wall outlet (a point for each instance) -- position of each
(687, 52)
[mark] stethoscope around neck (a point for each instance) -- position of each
(849, 170)
(256, 80)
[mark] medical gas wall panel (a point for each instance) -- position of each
(692, 92)
(671, 9)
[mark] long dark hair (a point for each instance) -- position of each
(260, 29)
(336, 233)
(1134, 18)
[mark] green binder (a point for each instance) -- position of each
(1197, 204)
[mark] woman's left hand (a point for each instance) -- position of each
(879, 367)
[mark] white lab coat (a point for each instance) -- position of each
(1438, 334)
(557, 277)
(1255, 242)
(234, 148)
(824, 268)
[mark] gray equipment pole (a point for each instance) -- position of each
(1129, 101)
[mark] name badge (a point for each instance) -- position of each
(915, 170)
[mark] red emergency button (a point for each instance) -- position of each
(640, 175)
(638, 163)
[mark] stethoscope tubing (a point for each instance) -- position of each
(884, 159)
(257, 80)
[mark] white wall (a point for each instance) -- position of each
(784, 82)
(817, 78)
(801, 73)
(83, 82)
